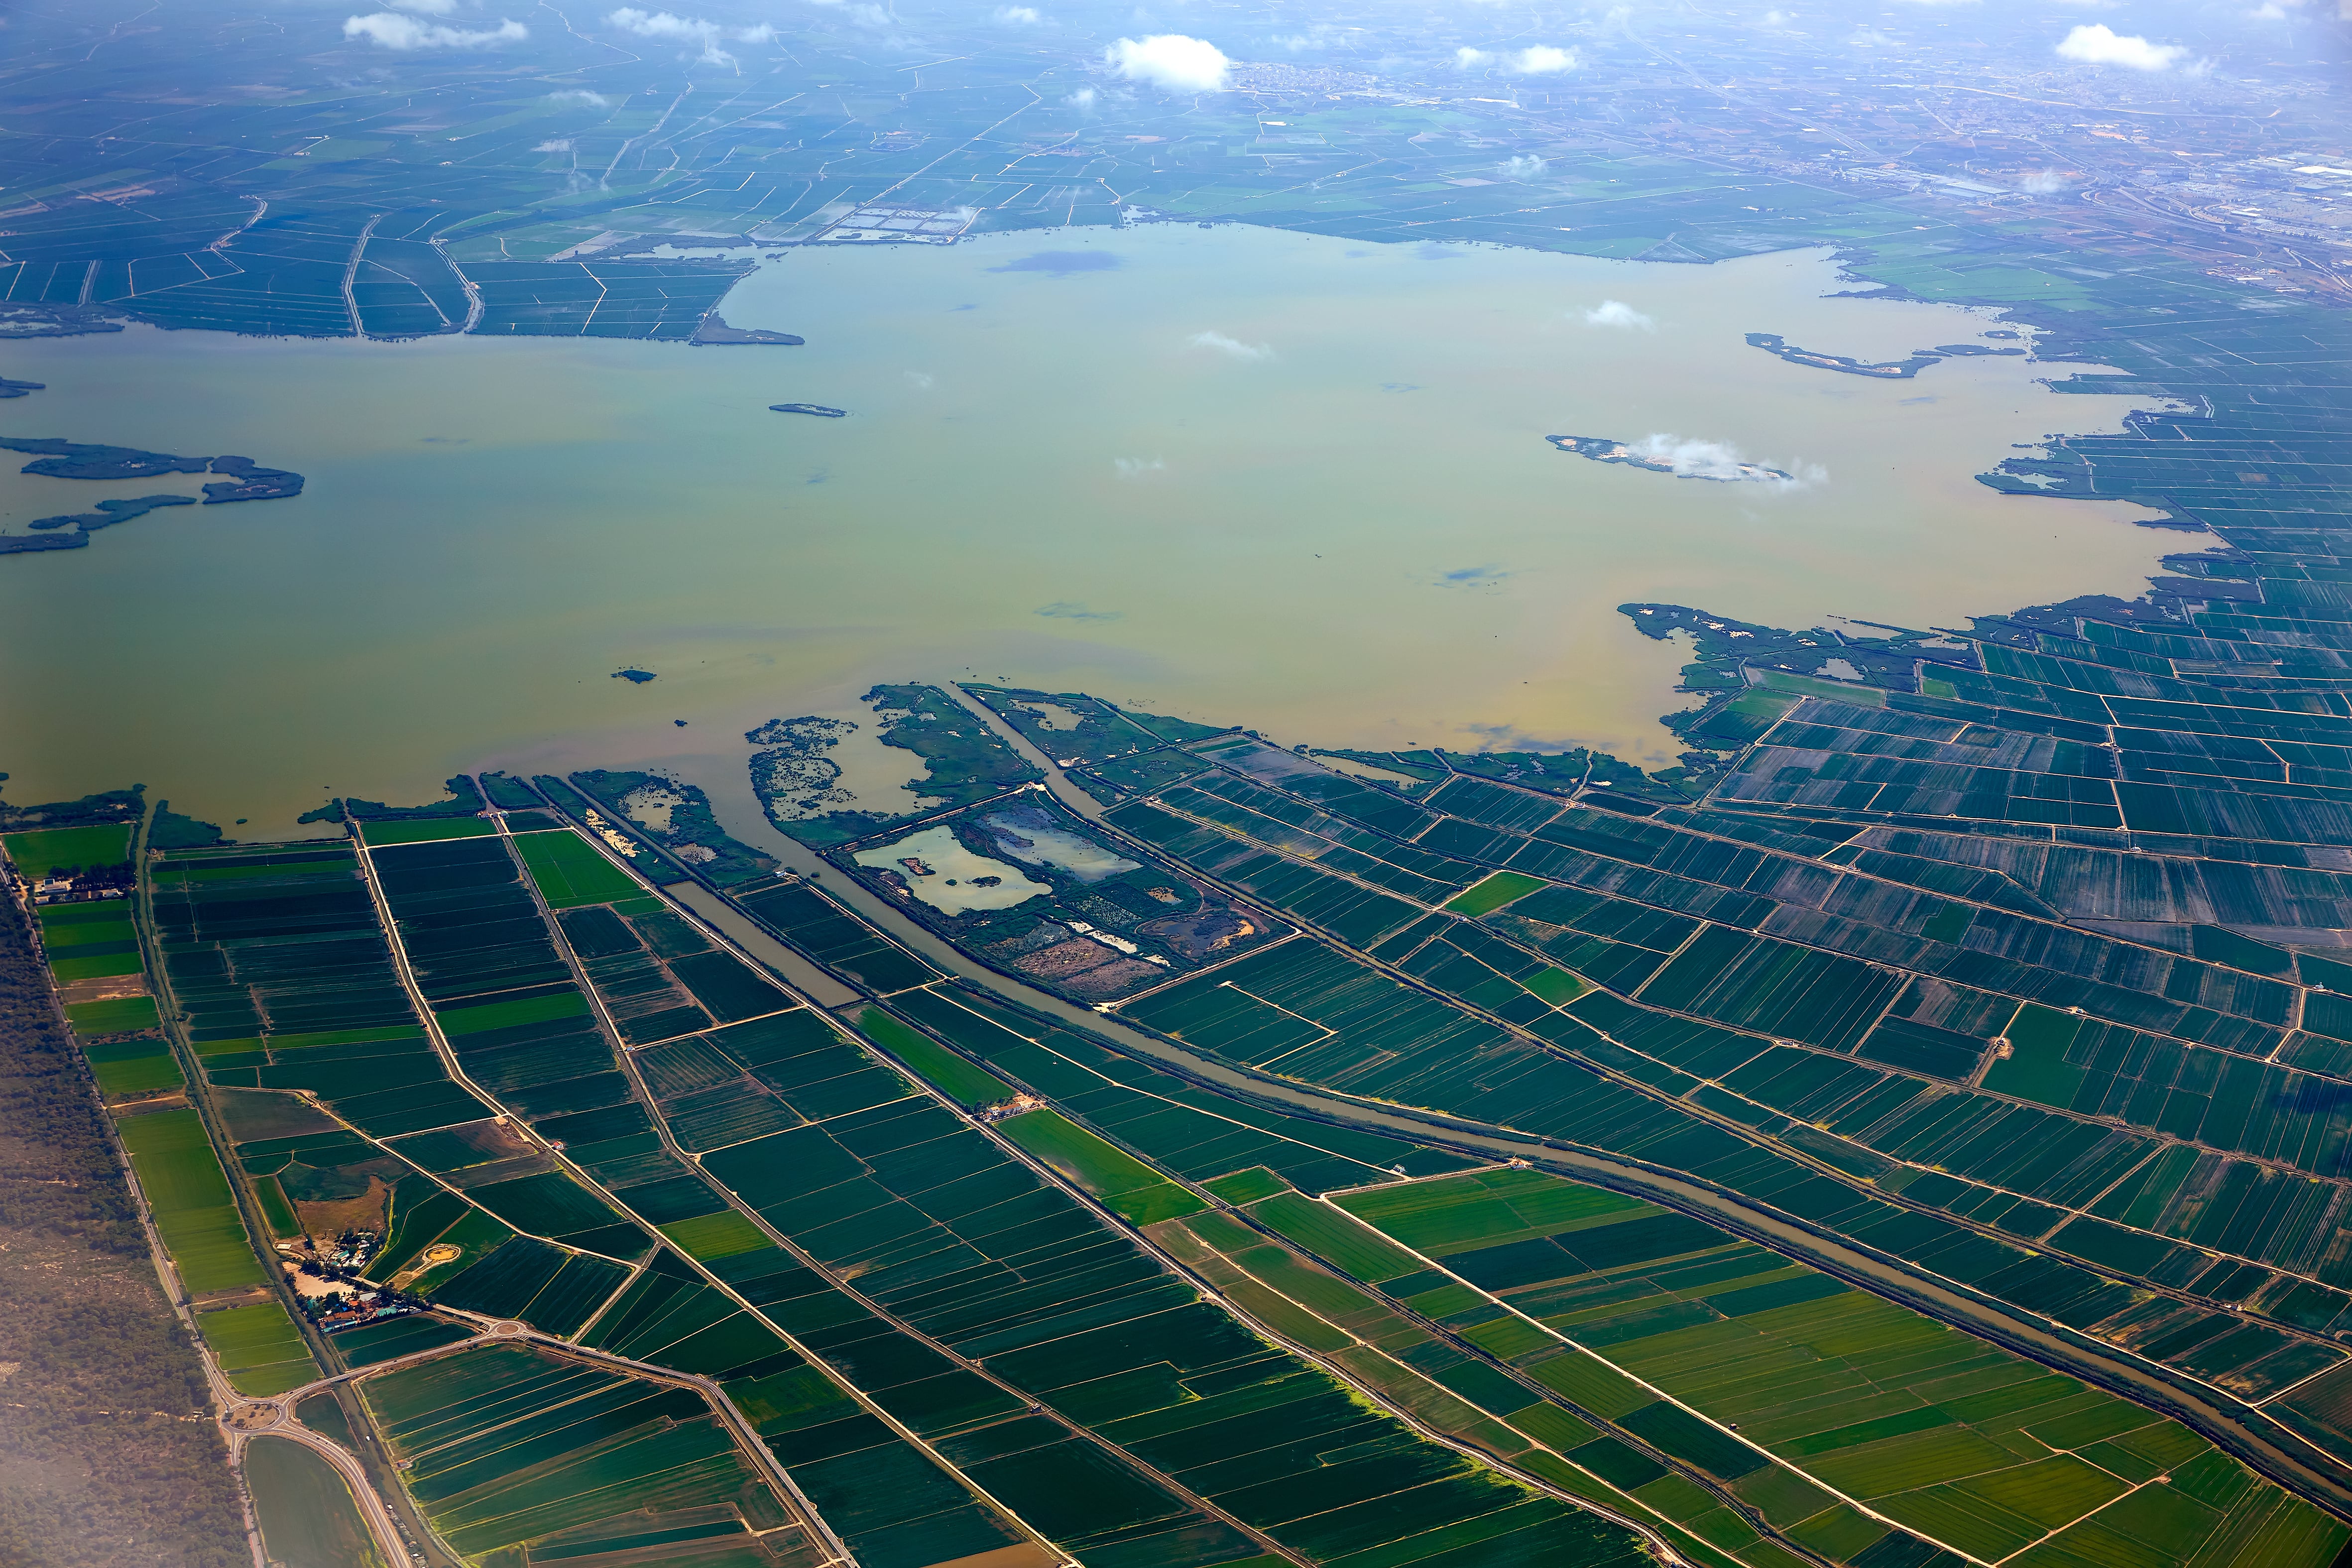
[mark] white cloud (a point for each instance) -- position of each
(2103, 46)
(1619, 314)
(1016, 17)
(1082, 100)
(388, 31)
(688, 30)
(659, 25)
(1776, 18)
(1136, 468)
(580, 95)
(1692, 458)
(429, 7)
(1544, 61)
(560, 145)
(1541, 59)
(923, 380)
(1170, 60)
(1522, 166)
(2043, 183)
(1233, 347)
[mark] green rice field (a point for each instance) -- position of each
(112, 1015)
(40, 851)
(194, 1209)
(1129, 1185)
(258, 1347)
(1623, 997)
(966, 1083)
(423, 830)
(305, 1509)
(1729, 1357)
(568, 870)
(126, 1068)
(509, 1452)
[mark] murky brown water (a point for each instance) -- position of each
(1238, 475)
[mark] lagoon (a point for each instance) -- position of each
(1238, 475)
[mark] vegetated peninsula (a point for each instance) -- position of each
(245, 480)
(1885, 370)
(1604, 449)
(20, 388)
(799, 786)
(74, 460)
(819, 409)
(715, 331)
(111, 513)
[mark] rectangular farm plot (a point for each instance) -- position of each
(804, 918)
(258, 1347)
(399, 1338)
(90, 941)
(127, 1069)
(274, 955)
(1492, 893)
(508, 1450)
(1129, 1185)
(966, 1082)
(568, 870)
(1305, 1011)
(1774, 987)
(1352, 911)
(424, 830)
(1194, 1133)
(42, 852)
(190, 1197)
(112, 1015)
(538, 1284)
(1474, 966)
(1725, 1353)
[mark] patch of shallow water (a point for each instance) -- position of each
(938, 869)
(1033, 844)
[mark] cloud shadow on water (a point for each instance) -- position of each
(1063, 263)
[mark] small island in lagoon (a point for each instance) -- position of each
(1886, 369)
(60, 459)
(1603, 449)
(819, 409)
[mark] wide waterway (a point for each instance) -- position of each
(1237, 474)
